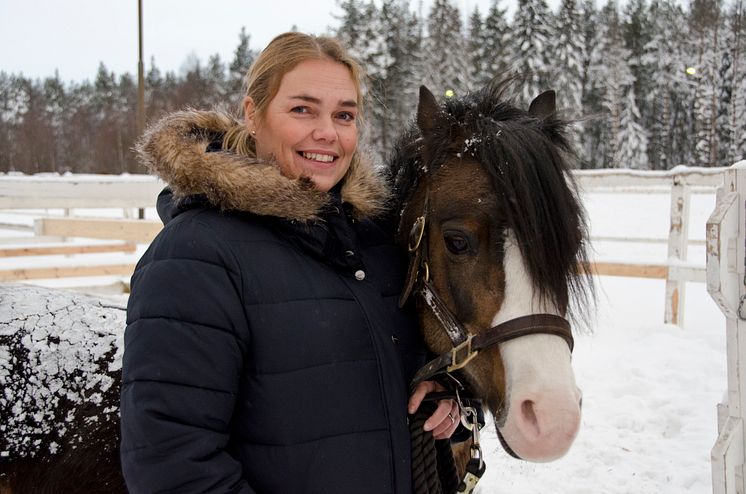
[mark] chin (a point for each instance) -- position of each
(325, 184)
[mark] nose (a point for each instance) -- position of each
(324, 130)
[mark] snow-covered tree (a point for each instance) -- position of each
(637, 33)
(664, 60)
(495, 42)
(568, 58)
(613, 76)
(475, 49)
(632, 140)
(733, 127)
(705, 29)
(590, 130)
(445, 50)
(532, 42)
(243, 57)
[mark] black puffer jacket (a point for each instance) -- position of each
(264, 350)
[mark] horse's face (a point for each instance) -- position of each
(478, 269)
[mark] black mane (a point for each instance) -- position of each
(527, 158)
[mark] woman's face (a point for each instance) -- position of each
(309, 127)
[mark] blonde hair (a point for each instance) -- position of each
(279, 57)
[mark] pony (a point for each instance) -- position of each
(483, 202)
(497, 240)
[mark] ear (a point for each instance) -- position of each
(427, 111)
(543, 105)
(249, 112)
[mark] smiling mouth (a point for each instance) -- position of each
(322, 158)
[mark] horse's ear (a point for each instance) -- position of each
(427, 111)
(543, 105)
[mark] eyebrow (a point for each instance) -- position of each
(311, 99)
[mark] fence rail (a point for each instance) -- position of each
(137, 192)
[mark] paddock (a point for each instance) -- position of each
(653, 276)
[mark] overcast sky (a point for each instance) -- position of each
(73, 36)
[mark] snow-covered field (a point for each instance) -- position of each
(650, 390)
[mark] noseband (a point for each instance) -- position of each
(466, 345)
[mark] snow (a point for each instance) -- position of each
(650, 390)
(72, 344)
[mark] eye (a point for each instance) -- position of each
(299, 109)
(346, 116)
(456, 242)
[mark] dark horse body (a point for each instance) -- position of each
(504, 235)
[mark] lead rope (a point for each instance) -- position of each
(433, 465)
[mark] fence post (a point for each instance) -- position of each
(678, 241)
(726, 232)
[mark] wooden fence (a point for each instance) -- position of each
(131, 193)
(680, 182)
(726, 278)
(74, 195)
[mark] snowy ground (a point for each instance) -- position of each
(650, 390)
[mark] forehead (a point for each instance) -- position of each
(325, 80)
(463, 187)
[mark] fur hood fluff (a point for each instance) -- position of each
(175, 149)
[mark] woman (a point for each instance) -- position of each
(264, 350)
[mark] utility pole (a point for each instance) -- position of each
(140, 75)
(140, 87)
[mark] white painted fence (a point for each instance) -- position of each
(680, 183)
(726, 234)
(140, 191)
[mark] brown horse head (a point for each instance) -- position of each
(504, 237)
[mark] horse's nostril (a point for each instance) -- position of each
(529, 414)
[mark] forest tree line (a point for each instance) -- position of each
(652, 84)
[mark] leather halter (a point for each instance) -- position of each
(466, 345)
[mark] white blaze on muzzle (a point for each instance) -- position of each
(542, 402)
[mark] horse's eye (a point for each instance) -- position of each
(456, 242)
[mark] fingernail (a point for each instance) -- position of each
(427, 427)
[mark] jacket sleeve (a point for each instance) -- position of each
(184, 345)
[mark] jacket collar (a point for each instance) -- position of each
(176, 150)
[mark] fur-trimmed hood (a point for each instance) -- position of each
(176, 149)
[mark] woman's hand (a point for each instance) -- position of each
(445, 418)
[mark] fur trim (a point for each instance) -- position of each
(175, 149)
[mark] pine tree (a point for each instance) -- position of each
(591, 148)
(126, 132)
(614, 77)
(243, 57)
(6, 122)
(445, 50)
(724, 133)
(568, 58)
(476, 48)
(497, 55)
(55, 97)
(532, 44)
(637, 34)
(737, 113)
(632, 141)
(351, 30)
(705, 26)
(216, 83)
(664, 59)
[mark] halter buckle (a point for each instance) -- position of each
(462, 354)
